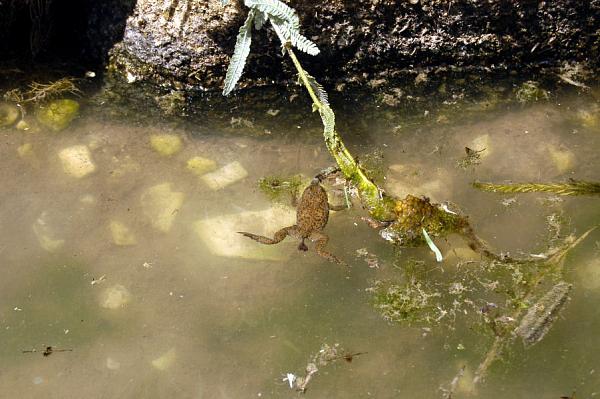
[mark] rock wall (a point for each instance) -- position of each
(184, 43)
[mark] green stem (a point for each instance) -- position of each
(380, 206)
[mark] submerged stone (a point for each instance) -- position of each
(589, 118)
(22, 125)
(166, 144)
(115, 297)
(226, 175)
(9, 113)
(77, 161)
(160, 205)
(58, 114)
(25, 150)
(165, 361)
(220, 237)
(46, 234)
(200, 165)
(563, 158)
(121, 234)
(482, 145)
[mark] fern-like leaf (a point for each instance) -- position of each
(277, 9)
(240, 54)
(303, 44)
(318, 89)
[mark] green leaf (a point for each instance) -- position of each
(240, 54)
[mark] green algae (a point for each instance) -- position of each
(531, 91)
(9, 113)
(57, 114)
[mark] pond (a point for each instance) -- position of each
(120, 251)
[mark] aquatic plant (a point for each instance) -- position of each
(280, 189)
(574, 187)
(380, 206)
(58, 114)
(40, 92)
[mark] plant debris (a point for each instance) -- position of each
(541, 316)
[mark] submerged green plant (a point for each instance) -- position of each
(574, 187)
(280, 189)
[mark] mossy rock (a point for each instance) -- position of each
(58, 114)
(9, 113)
(531, 91)
(166, 144)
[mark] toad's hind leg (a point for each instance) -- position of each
(321, 241)
(278, 237)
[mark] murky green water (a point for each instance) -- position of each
(129, 258)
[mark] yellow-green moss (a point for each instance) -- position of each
(58, 114)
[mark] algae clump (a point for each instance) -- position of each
(531, 91)
(165, 144)
(8, 114)
(58, 114)
(200, 165)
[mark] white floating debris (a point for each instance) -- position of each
(38, 380)
(115, 297)
(98, 280)
(90, 74)
(219, 233)
(77, 161)
(121, 234)
(447, 210)
(436, 251)
(112, 364)
(165, 361)
(290, 378)
(160, 205)
(226, 175)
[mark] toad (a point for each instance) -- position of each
(312, 214)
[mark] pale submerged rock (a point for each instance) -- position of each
(112, 364)
(58, 114)
(165, 361)
(121, 234)
(115, 297)
(226, 175)
(25, 150)
(201, 165)
(219, 233)
(9, 113)
(166, 144)
(77, 161)
(45, 234)
(160, 205)
(481, 144)
(563, 158)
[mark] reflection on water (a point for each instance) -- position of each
(118, 242)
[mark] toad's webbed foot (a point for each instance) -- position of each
(278, 237)
(338, 207)
(321, 241)
(376, 224)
